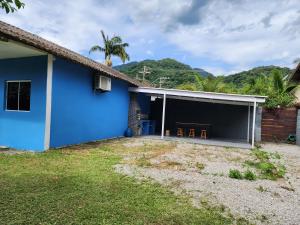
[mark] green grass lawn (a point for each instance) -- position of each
(79, 186)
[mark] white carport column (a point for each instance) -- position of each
(163, 117)
(248, 128)
(253, 126)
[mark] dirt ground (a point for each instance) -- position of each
(202, 173)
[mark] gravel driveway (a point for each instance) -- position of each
(202, 172)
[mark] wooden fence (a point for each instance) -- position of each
(278, 124)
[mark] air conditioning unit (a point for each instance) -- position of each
(102, 83)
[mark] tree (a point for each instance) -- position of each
(281, 84)
(112, 47)
(11, 6)
(281, 91)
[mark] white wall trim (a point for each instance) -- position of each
(48, 102)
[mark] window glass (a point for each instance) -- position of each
(24, 96)
(18, 95)
(12, 95)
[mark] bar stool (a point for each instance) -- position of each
(203, 134)
(192, 133)
(179, 132)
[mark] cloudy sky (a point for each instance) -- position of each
(221, 36)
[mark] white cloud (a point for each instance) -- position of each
(237, 34)
(149, 52)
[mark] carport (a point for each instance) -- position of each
(225, 117)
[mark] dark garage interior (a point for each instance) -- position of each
(222, 121)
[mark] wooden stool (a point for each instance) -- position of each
(192, 133)
(179, 132)
(167, 133)
(203, 134)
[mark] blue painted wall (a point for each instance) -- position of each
(79, 114)
(24, 130)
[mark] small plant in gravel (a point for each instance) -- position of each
(235, 174)
(262, 218)
(261, 189)
(249, 175)
(200, 166)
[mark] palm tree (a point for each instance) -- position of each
(209, 84)
(112, 47)
(281, 84)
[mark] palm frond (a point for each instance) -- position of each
(96, 48)
(291, 88)
(278, 82)
(116, 40)
(103, 36)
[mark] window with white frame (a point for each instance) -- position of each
(18, 95)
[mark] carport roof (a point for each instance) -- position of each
(201, 95)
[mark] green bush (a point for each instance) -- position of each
(235, 174)
(249, 175)
(279, 99)
(268, 169)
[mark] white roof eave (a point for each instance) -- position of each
(200, 94)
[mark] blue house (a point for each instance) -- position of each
(52, 97)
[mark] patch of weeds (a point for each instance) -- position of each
(261, 155)
(276, 155)
(267, 164)
(200, 166)
(236, 159)
(262, 218)
(249, 175)
(105, 149)
(173, 163)
(261, 189)
(235, 174)
(242, 221)
(169, 164)
(143, 161)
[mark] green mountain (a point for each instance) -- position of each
(176, 73)
(245, 77)
(179, 73)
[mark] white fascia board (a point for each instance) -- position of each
(213, 101)
(202, 95)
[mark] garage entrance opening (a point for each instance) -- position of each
(202, 116)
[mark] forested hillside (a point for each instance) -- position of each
(179, 74)
(176, 73)
(239, 79)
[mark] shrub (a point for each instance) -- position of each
(249, 175)
(279, 99)
(235, 174)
